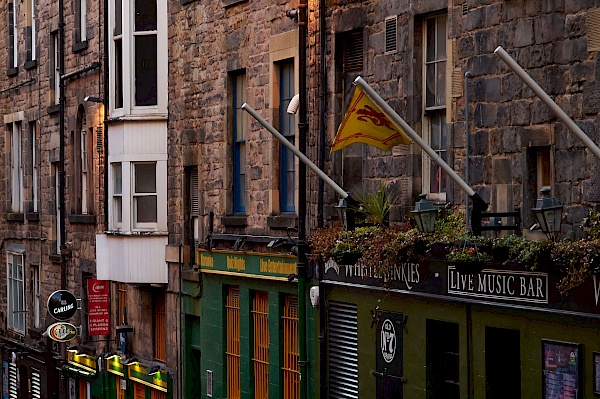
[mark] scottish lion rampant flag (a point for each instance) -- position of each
(365, 123)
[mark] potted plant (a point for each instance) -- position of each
(467, 260)
(346, 253)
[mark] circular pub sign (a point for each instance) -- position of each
(62, 305)
(388, 340)
(62, 332)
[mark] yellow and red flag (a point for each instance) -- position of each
(365, 123)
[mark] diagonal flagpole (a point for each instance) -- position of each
(400, 123)
(296, 152)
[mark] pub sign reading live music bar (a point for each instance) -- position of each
(495, 285)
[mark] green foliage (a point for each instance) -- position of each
(449, 226)
(592, 225)
(467, 254)
(374, 205)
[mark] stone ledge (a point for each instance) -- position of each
(282, 221)
(30, 65)
(32, 216)
(80, 46)
(234, 221)
(229, 3)
(12, 71)
(53, 109)
(82, 219)
(14, 217)
(55, 258)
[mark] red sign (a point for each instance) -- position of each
(98, 307)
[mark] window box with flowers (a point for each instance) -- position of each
(468, 259)
(346, 253)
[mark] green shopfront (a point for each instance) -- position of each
(430, 331)
(241, 313)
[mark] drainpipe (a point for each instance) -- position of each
(302, 133)
(467, 154)
(322, 108)
(106, 112)
(61, 165)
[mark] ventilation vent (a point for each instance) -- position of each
(391, 34)
(36, 386)
(465, 9)
(353, 51)
(457, 82)
(343, 350)
(194, 191)
(99, 139)
(593, 20)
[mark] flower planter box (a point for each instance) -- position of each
(469, 267)
(347, 258)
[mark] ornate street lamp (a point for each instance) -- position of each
(424, 213)
(548, 214)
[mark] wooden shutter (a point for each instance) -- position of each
(232, 310)
(343, 350)
(291, 370)
(260, 316)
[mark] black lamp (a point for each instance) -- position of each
(548, 213)
(92, 99)
(346, 212)
(424, 213)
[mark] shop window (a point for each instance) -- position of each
(287, 127)
(232, 351)
(15, 318)
(342, 324)
(291, 370)
(434, 98)
(160, 326)
(502, 363)
(442, 360)
(239, 125)
(260, 357)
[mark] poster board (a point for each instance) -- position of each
(596, 356)
(561, 369)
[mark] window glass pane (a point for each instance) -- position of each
(145, 15)
(146, 209)
(118, 178)
(118, 73)
(118, 209)
(441, 38)
(430, 85)
(145, 178)
(430, 50)
(146, 81)
(440, 83)
(240, 128)
(118, 18)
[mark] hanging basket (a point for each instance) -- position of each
(469, 267)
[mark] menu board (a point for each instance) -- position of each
(561, 370)
(596, 373)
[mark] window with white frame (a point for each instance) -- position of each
(434, 97)
(34, 165)
(138, 74)
(55, 66)
(15, 318)
(57, 208)
(84, 169)
(36, 296)
(31, 31)
(12, 35)
(16, 167)
(117, 194)
(239, 125)
(81, 20)
(144, 195)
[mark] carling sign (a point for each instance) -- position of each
(98, 307)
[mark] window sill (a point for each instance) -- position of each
(53, 109)
(55, 258)
(80, 46)
(12, 71)
(82, 219)
(184, 2)
(229, 3)
(30, 65)
(14, 217)
(32, 216)
(234, 221)
(282, 221)
(35, 333)
(137, 233)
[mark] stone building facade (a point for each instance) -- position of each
(48, 225)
